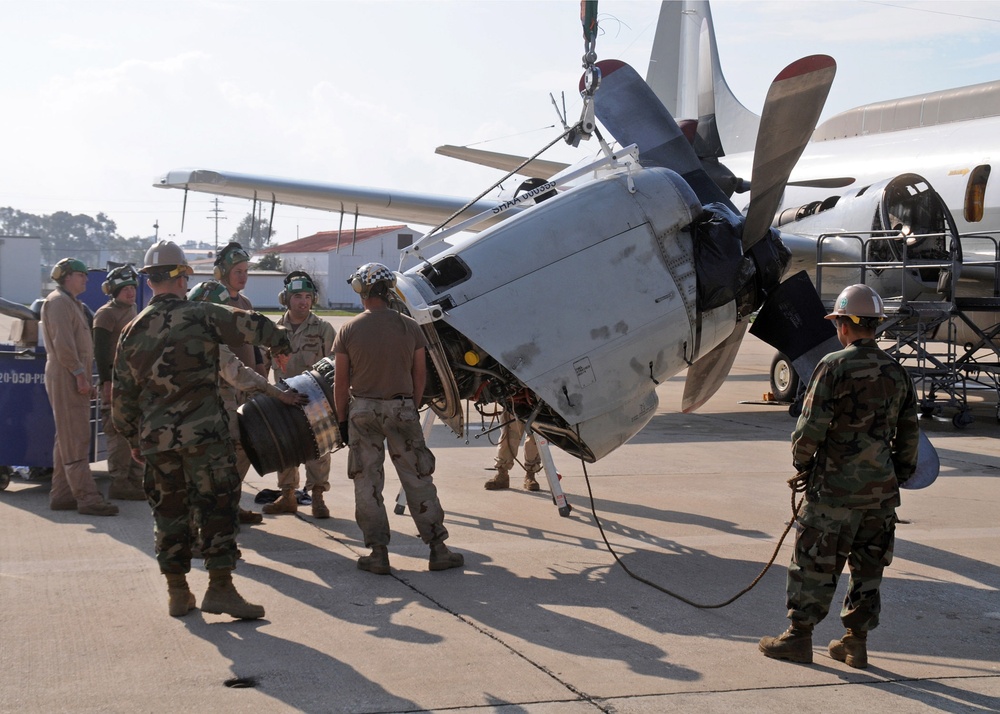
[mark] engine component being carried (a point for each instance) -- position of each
(276, 436)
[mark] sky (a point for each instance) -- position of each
(101, 97)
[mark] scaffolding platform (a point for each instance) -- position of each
(948, 342)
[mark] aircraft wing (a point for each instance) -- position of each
(536, 168)
(424, 209)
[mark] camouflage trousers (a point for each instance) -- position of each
(373, 424)
(510, 442)
(828, 538)
(199, 485)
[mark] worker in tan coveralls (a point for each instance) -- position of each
(69, 365)
(312, 340)
(110, 318)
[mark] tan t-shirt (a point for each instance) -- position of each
(380, 347)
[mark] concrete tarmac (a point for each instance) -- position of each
(542, 618)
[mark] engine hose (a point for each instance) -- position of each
(692, 603)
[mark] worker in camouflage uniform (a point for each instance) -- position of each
(510, 441)
(110, 318)
(239, 381)
(166, 403)
(855, 442)
(69, 367)
(381, 369)
(312, 340)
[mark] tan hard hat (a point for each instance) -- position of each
(857, 301)
(165, 254)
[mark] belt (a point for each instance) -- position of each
(395, 397)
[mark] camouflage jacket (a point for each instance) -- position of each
(238, 381)
(311, 342)
(166, 378)
(857, 435)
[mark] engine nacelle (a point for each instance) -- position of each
(585, 308)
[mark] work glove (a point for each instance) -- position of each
(343, 431)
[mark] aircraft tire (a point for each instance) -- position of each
(784, 380)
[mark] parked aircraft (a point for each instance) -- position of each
(883, 184)
(672, 270)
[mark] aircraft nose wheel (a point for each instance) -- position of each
(5, 473)
(784, 380)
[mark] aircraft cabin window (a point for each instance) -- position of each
(975, 193)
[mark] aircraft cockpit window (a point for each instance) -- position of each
(446, 273)
(975, 193)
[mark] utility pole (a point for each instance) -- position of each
(216, 218)
(156, 226)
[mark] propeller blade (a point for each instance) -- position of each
(633, 114)
(791, 110)
(538, 168)
(706, 375)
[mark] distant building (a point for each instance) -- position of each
(196, 251)
(331, 256)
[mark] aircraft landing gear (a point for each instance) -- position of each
(963, 418)
(784, 380)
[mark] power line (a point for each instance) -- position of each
(216, 210)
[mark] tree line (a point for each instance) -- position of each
(88, 238)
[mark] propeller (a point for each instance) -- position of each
(633, 114)
(791, 110)
(631, 111)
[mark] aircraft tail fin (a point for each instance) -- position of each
(685, 74)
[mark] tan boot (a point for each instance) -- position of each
(377, 562)
(123, 490)
(250, 518)
(181, 599)
(221, 598)
(793, 645)
(851, 649)
(530, 484)
(101, 508)
(498, 482)
(443, 559)
(286, 503)
(319, 508)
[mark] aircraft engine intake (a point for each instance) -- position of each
(276, 435)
